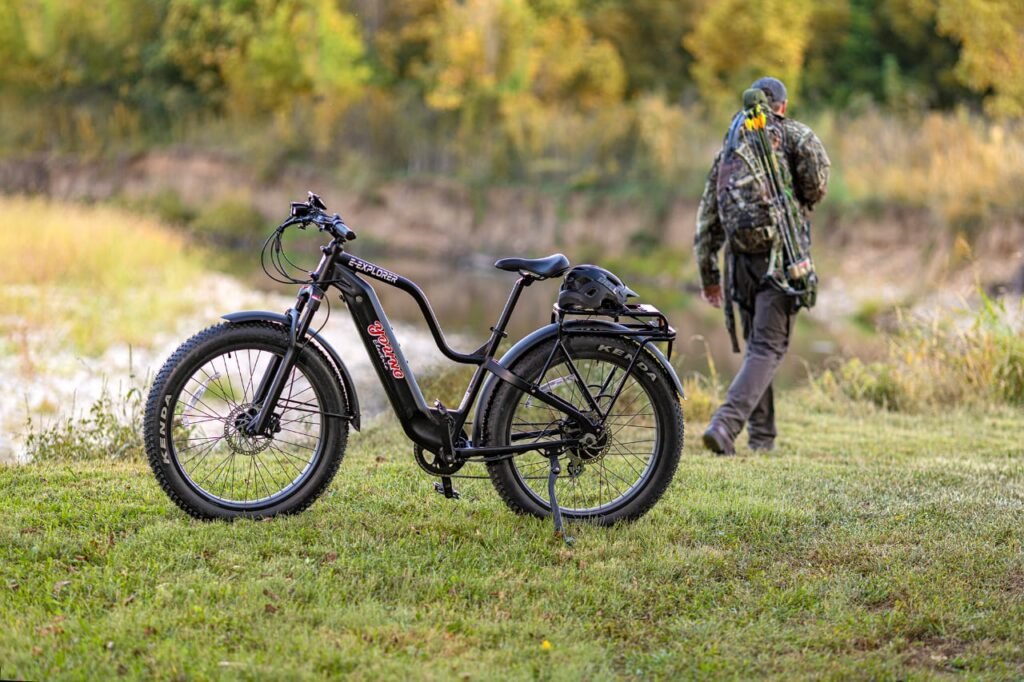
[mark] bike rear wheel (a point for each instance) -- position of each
(204, 395)
(620, 476)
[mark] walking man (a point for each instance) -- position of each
(737, 211)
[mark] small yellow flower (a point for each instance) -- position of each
(545, 645)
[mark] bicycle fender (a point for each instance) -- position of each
(352, 400)
(543, 334)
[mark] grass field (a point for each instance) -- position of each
(872, 545)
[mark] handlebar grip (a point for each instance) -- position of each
(346, 233)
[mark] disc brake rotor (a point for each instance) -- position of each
(592, 446)
(238, 440)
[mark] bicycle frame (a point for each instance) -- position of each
(437, 428)
(576, 431)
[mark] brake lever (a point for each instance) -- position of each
(300, 221)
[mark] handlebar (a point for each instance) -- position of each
(334, 225)
(314, 211)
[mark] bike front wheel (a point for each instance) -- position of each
(204, 396)
(622, 474)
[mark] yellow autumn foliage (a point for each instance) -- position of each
(736, 41)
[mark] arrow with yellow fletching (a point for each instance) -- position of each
(756, 120)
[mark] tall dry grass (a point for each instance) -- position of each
(974, 361)
(98, 274)
(963, 168)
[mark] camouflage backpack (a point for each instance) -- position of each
(748, 215)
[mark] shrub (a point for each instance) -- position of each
(977, 360)
(233, 221)
(107, 431)
(169, 207)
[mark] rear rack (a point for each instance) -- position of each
(641, 320)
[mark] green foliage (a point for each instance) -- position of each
(646, 34)
(853, 39)
(578, 93)
(232, 221)
(260, 56)
(165, 204)
(737, 41)
(874, 382)
(510, 77)
(992, 57)
(109, 431)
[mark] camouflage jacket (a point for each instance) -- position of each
(803, 161)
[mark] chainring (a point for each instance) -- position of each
(433, 464)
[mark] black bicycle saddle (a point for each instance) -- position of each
(541, 268)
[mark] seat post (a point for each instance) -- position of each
(498, 330)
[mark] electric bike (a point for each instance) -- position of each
(580, 419)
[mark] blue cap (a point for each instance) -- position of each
(773, 88)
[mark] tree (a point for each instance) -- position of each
(77, 48)
(648, 35)
(512, 66)
(992, 53)
(736, 41)
(254, 57)
(887, 50)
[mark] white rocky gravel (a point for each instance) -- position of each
(45, 379)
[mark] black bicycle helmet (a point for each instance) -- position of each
(589, 287)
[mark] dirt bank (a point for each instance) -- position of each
(894, 255)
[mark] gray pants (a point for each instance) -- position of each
(766, 330)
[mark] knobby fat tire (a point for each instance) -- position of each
(499, 412)
(192, 355)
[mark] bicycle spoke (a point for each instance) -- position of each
(228, 464)
(591, 480)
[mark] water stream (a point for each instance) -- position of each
(466, 299)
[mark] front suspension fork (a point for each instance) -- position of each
(272, 383)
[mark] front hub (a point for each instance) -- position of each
(236, 431)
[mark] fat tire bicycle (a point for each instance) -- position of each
(581, 419)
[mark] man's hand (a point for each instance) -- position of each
(713, 295)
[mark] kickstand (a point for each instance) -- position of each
(445, 488)
(556, 510)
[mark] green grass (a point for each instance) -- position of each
(872, 545)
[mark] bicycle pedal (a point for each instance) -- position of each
(444, 487)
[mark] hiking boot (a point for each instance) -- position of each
(762, 446)
(717, 441)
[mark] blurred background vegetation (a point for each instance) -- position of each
(569, 93)
(472, 128)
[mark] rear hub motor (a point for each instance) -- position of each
(593, 446)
